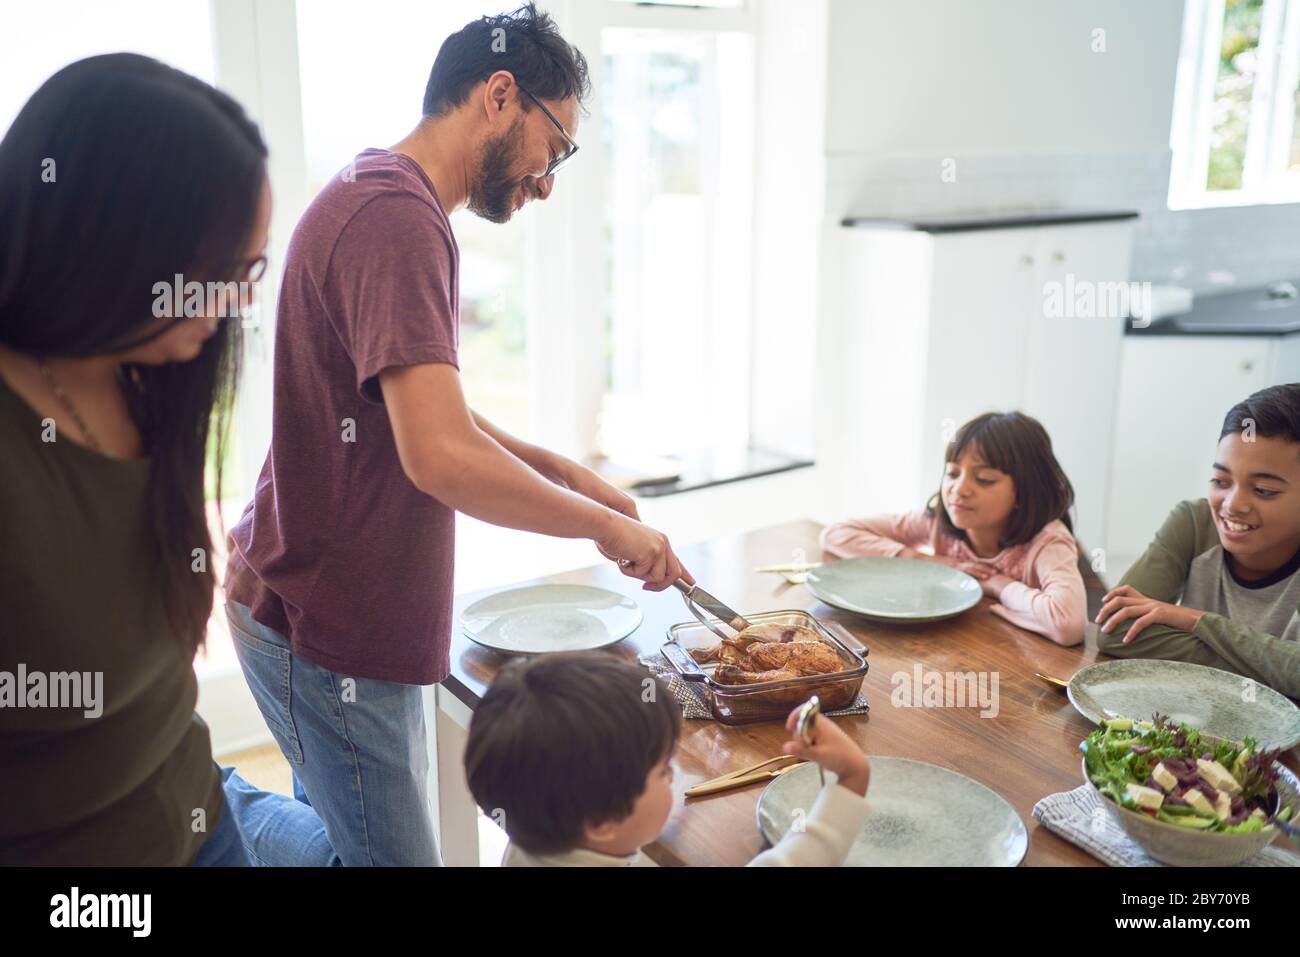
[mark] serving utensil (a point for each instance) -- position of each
(699, 601)
(750, 775)
(1059, 683)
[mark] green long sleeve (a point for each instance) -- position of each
(1162, 573)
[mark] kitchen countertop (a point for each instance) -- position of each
(988, 219)
(1240, 312)
(1029, 750)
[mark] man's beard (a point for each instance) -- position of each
(494, 191)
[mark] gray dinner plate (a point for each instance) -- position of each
(1217, 702)
(921, 815)
(545, 618)
(894, 589)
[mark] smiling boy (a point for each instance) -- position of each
(1218, 586)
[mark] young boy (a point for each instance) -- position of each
(572, 754)
(1218, 586)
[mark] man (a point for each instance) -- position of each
(340, 583)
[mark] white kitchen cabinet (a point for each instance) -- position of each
(1174, 392)
(939, 327)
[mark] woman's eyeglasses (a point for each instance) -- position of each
(253, 269)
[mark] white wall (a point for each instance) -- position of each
(1009, 76)
(1013, 92)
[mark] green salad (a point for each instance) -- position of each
(1171, 773)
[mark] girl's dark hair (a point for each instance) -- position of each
(566, 740)
(1273, 412)
(119, 173)
(525, 41)
(1018, 445)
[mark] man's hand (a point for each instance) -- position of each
(641, 552)
(1126, 603)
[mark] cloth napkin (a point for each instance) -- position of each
(695, 704)
(1079, 817)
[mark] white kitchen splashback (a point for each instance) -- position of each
(1202, 249)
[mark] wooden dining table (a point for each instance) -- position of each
(1026, 751)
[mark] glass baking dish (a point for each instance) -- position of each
(768, 700)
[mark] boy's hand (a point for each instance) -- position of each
(833, 750)
(1126, 603)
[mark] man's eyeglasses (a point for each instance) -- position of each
(560, 160)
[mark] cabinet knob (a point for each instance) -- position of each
(1058, 257)
(1248, 365)
(1026, 260)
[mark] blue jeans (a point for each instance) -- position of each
(276, 831)
(223, 848)
(357, 748)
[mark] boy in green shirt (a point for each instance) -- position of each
(1218, 586)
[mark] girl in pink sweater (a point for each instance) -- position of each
(1002, 516)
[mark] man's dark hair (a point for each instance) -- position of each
(1018, 445)
(1274, 413)
(525, 42)
(567, 740)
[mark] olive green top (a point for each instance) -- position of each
(1252, 627)
(80, 592)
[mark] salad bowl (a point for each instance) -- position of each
(1157, 818)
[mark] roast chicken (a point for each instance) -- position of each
(770, 652)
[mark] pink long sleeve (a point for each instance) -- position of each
(1056, 610)
(879, 535)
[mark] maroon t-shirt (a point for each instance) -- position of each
(338, 550)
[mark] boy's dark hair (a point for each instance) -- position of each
(1017, 444)
(1273, 412)
(525, 42)
(567, 740)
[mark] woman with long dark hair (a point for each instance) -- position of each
(121, 180)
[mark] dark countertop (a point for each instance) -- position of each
(1240, 312)
(987, 219)
(720, 467)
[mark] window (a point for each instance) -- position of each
(678, 138)
(178, 32)
(1235, 139)
(362, 86)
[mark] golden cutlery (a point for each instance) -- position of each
(796, 573)
(1054, 682)
(744, 776)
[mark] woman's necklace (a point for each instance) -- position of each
(66, 401)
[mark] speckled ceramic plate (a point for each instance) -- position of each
(921, 815)
(546, 618)
(1218, 702)
(894, 589)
